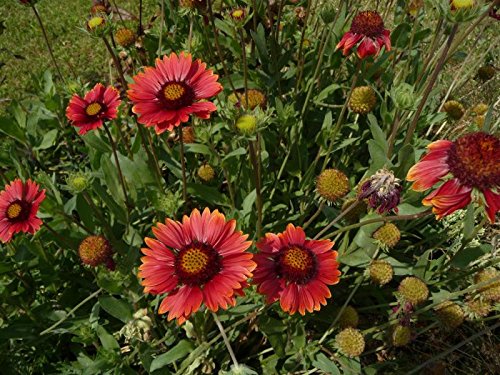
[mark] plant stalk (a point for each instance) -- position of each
(226, 340)
(183, 164)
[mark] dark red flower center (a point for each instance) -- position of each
(18, 211)
(296, 264)
(93, 109)
(474, 159)
(175, 95)
(196, 264)
(368, 23)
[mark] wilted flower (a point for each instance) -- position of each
(414, 6)
(99, 104)
(382, 190)
(138, 328)
(188, 135)
(350, 342)
(19, 204)
(295, 271)
(478, 307)
(202, 259)
(454, 109)
(363, 100)
(332, 184)
(401, 335)
(165, 96)
(471, 162)
(367, 29)
(206, 173)
(381, 272)
(413, 290)
(96, 250)
(480, 109)
(388, 234)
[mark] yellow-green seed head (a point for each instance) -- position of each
(486, 72)
(206, 173)
(462, 4)
(349, 318)
(363, 100)
(491, 291)
(388, 234)
(125, 37)
(96, 23)
(454, 109)
(480, 109)
(94, 250)
(401, 335)
(450, 314)
(381, 272)
(332, 184)
(246, 124)
(350, 342)
(413, 290)
(77, 182)
(256, 98)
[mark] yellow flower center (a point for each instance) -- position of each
(14, 210)
(237, 13)
(193, 261)
(297, 258)
(93, 109)
(459, 4)
(173, 91)
(95, 22)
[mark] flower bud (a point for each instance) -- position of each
(327, 13)
(454, 109)
(246, 124)
(206, 173)
(349, 318)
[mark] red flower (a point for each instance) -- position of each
(19, 205)
(100, 104)
(202, 259)
(471, 162)
(166, 95)
(368, 30)
(295, 270)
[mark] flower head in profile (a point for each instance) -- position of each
(382, 190)
(166, 95)
(295, 271)
(19, 204)
(202, 259)
(99, 104)
(368, 33)
(470, 163)
(96, 250)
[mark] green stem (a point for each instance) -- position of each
(337, 219)
(118, 167)
(430, 85)
(226, 340)
(255, 160)
(340, 119)
(117, 64)
(183, 164)
(47, 42)
(71, 312)
(379, 219)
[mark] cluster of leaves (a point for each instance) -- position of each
(58, 316)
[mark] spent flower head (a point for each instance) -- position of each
(350, 342)
(382, 190)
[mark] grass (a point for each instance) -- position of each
(23, 53)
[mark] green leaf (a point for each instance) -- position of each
(274, 330)
(111, 177)
(93, 141)
(377, 133)
(197, 148)
(207, 193)
(10, 128)
(378, 155)
(107, 340)
(466, 256)
(239, 151)
(179, 351)
(118, 309)
(357, 258)
(260, 41)
(49, 139)
(325, 364)
(469, 222)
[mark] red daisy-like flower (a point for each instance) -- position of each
(471, 162)
(295, 271)
(166, 95)
(201, 260)
(19, 204)
(100, 104)
(368, 33)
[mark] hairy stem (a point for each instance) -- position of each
(226, 340)
(183, 164)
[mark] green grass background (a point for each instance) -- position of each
(77, 53)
